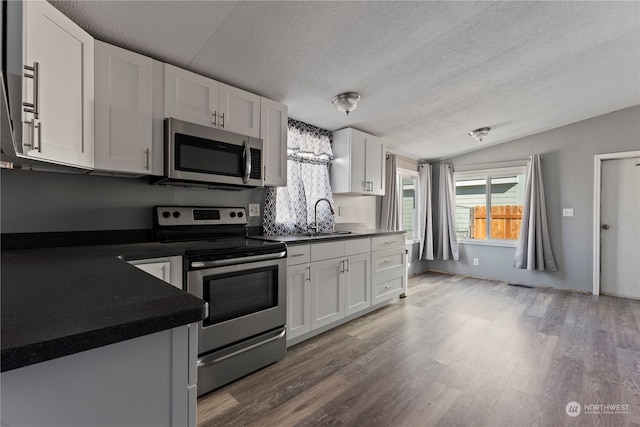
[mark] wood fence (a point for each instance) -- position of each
(505, 222)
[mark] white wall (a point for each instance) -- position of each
(568, 157)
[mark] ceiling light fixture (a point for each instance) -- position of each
(346, 102)
(479, 134)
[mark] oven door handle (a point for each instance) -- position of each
(232, 261)
(204, 362)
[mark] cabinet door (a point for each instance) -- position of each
(298, 300)
(375, 167)
(357, 283)
(63, 131)
(273, 131)
(190, 97)
(123, 110)
(239, 111)
(327, 294)
(161, 270)
(358, 162)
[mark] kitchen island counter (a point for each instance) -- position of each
(61, 301)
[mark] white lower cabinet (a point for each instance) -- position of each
(168, 269)
(357, 291)
(327, 286)
(388, 267)
(326, 282)
(149, 380)
(298, 300)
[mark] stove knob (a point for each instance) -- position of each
(240, 214)
(176, 214)
(232, 214)
(166, 214)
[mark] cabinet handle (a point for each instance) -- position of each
(388, 287)
(342, 266)
(222, 120)
(146, 152)
(215, 118)
(309, 274)
(164, 273)
(38, 127)
(296, 255)
(347, 263)
(33, 107)
(33, 133)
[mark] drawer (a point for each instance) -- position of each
(327, 250)
(387, 241)
(384, 261)
(357, 246)
(390, 287)
(298, 254)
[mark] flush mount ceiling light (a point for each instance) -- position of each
(346, 102)
(479, 134)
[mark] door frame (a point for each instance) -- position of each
(597, 183)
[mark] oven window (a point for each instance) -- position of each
(240, 293)
(195, 154)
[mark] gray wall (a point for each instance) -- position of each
(568, 158)
(50, 201)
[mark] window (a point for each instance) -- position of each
(489, 204)
(408, 193)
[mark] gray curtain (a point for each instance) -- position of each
(447, 240)
(426, 216)
(534, 246)
(389, 217)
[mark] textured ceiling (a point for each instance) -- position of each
(428, 72)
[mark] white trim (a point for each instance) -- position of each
(597, 183)
(517, 170)
(494, 242)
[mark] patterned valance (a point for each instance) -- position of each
(308, 143)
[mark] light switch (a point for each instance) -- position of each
(567, 211)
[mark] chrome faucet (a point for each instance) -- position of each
(316, 227)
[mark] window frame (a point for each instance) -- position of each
(488, 175)
(400, 172)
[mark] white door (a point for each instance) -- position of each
(620, 228)
(358, 143)
(63, 130)
(327, 295)
(124, 102)
(239, 111)
(298, 300)
(273, 131)
(375, 166)
(190, 97)
(357, 285)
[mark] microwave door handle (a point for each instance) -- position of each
(247, 162)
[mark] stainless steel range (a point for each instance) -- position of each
(242, 280)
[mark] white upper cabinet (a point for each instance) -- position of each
(239, 111)
(273, 131)
(123, 110)
(197, 99)
(359, 163)
(58, 94)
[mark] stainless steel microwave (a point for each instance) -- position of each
(202, 156)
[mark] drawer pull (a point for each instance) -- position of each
(389, 286)
(389, 243)
(296, 255)
(387, 261)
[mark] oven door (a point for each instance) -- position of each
(244, 300)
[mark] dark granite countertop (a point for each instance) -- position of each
(61, 301)
(292, 239)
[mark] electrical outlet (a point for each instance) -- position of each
(475, 261)
(254, 209)
(567, 212)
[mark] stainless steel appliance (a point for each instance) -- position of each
(202, 156)
(242, 280)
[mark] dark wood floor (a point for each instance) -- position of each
(457, 351)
